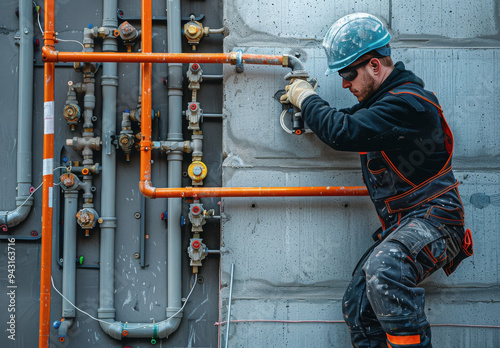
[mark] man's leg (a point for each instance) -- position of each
(395, 268)
(363, 325)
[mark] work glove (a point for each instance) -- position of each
(297, 92)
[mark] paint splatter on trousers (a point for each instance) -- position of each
(383, 299)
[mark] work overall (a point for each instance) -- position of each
(422, 231)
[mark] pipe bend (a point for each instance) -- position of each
(167, 327)
(112, 328)
(294, 63)
(65, 325)
(119, 330)
(146, 189)
(16, 216)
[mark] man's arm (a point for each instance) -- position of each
(389, 124)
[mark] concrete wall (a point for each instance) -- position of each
(294, 256)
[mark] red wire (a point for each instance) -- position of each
(339, 322)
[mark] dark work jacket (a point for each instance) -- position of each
(405, 146)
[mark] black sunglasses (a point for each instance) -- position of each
(349, 74)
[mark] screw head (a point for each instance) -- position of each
(192, 29)
(197, 170)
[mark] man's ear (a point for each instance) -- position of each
(375, 65)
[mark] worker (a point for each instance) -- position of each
(406, 148)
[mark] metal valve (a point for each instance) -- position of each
(197, 171)
(197, 251)
(196, 217)
(193, 115)
(87, 219)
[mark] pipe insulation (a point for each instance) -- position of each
(24, 201)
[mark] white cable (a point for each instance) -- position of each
(38, 18)
(107, 322)
(78, 42)
(32, 193)
(282, 122)
(61, 40)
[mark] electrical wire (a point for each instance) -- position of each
(34, 190)
(342, 322)
(282, 122)
(40, 26)
(129, 329)
(285, 128)
(281, 321)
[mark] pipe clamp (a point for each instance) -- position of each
(107, 222)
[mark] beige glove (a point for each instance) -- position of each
(297, 92)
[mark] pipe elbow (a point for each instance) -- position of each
(112, 328)
(146, 189)
(167, 327)
(294, 63)
(49, 55)
(15, 217)
(64, 327)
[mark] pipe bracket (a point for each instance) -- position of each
(239, 61)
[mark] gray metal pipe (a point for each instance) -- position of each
(174, 166)
(24, 120)
(109, 82)
(106, 312)
(69, 259)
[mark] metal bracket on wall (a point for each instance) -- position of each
(111, 139)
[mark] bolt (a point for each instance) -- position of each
(137, 255)
(192, 29)
(197, 170)
(200, 280)
(137, 215)
(26, 31)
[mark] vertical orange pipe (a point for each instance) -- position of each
(147, 47)
(48, 179)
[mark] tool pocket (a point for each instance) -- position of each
(466, 250)
(429, 246)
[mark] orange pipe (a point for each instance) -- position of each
(147, 47)
(48, 179)
(49, 54)
(152, 192)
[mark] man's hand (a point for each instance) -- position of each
(297, 92)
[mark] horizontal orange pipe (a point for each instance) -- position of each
(51, 55)
(153, 192)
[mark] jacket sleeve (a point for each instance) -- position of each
(388, 124)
